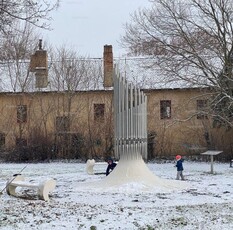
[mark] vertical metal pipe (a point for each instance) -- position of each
(115, 107)
(127, 116)
(130, 120)
(145, 128)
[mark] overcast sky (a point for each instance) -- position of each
(88, 25)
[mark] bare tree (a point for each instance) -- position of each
(31, 11)
(191, 42)
(15, 76)
(15, 54)
(73, 76)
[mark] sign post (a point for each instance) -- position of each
(211, 153)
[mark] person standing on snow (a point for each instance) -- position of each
(111, 166)
(179, 166)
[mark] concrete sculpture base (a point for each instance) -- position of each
(135, 173)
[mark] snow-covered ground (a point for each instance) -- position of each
(207, 202)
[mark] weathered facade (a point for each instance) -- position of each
(59, 119)
(81, 124)
(72, 117)
(179, 123)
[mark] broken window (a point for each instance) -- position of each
(62, 124)
(165, 109)
(99, 110)
(202, 109)
(21, 113)
(2, 139)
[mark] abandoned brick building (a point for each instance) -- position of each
(69, 114)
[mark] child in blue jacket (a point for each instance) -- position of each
(179, 166)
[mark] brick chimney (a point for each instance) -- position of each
(39, 65)
(108, 66)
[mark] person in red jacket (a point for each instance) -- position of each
(179, 166)
(111, 166)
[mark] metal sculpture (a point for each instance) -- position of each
(130, 113)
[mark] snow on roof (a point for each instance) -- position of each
(142, 72)
(15, 77)
(165, 72)
(87, 74)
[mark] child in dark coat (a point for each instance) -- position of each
(179, 166)
(111, 166)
